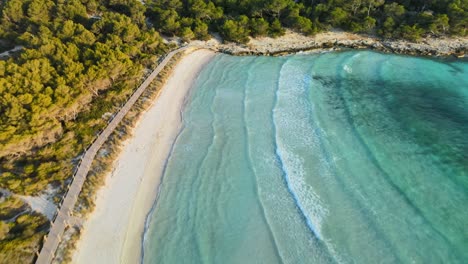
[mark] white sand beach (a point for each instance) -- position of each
(113, 233)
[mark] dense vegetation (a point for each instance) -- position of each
(20, 231)
(81, 59)
(73, 54)
(238, 19)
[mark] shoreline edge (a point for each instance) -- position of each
(113, 232)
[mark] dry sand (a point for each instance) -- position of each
(113, 233)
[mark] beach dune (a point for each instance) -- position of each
(113, 233)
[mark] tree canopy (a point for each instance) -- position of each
(238, 19)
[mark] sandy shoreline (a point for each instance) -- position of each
(113, 232)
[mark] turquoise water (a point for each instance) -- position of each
(349, 157)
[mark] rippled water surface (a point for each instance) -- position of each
(349, 157)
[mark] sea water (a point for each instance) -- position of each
(344, 157)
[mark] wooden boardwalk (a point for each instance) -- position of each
(64, 216)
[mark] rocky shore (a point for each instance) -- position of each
(293, 42)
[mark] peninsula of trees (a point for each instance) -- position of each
(81, 59)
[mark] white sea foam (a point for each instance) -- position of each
(295, 132)
(307, 200)
(347, 68)
(296, 137)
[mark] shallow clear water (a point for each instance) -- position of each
(349, 157)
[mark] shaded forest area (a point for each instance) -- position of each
(238, 19)
(81, 59)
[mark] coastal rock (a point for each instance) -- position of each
(293, 42)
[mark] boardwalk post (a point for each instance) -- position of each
(51, 242)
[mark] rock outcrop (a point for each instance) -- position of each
(293, 42)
